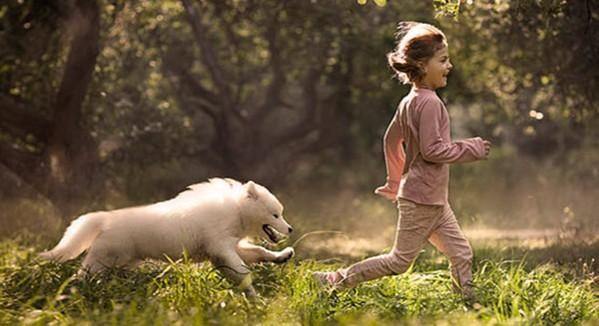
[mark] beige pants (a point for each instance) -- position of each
(417, 224)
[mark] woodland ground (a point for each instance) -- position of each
(551, 284)
(535, 263)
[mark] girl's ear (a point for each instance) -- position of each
(250, 188)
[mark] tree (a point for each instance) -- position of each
(262, 88)
(50, 148)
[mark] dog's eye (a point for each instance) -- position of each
(275, 215)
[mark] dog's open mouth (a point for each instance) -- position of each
(273, 235)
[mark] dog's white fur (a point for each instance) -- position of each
(208, 221)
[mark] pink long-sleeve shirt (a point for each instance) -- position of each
(422, 124)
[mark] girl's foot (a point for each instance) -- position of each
(470, 299)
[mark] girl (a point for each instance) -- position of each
(418, 177)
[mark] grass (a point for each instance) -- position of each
(511, 291)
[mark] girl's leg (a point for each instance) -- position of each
(448, 238)
(415, 224)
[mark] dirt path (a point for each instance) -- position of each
(351, 246)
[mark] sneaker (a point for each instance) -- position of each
(470, 298)
(327, 278)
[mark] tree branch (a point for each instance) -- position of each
(307, 123)
(273, 94)
(222, 142)
(79, 66)
(208, 54)
(198, 90)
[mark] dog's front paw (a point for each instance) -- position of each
(285, 255)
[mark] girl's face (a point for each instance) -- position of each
(436, 70)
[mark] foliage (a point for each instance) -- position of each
(525, 62)
(34, 291)
(448, 7)
(304, 87)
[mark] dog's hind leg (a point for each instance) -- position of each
(90, 266)
(252, 254)
(101, 257)
(235, 269)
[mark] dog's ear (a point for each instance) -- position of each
(251, 190)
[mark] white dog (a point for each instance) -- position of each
(207, 221)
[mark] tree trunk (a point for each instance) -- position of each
(71, 157)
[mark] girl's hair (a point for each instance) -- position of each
(416, 44)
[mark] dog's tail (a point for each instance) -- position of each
(78, 237)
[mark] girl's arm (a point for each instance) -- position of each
(395, 159)
(437, 150)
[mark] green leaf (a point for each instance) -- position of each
(449, 8)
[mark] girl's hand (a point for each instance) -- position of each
(487, 145)
(388, 191)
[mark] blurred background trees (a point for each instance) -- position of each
(106, 103)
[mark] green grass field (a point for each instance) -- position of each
(513, 287)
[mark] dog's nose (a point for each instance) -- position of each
(290, 229)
